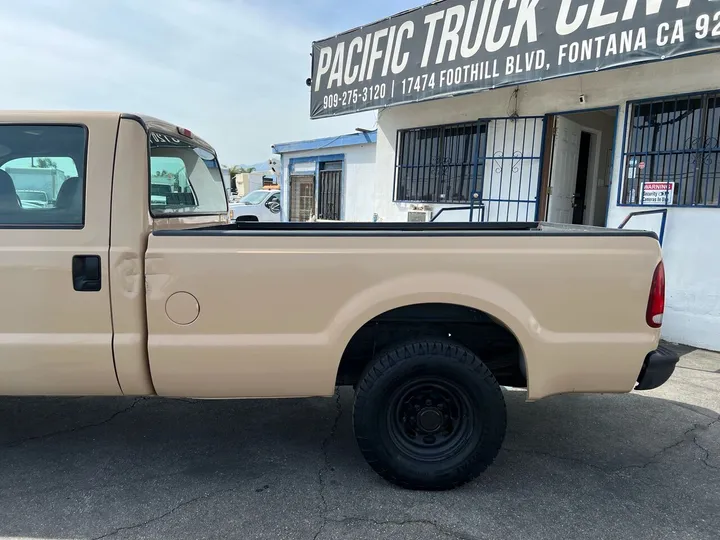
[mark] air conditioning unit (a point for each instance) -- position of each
(417, 216)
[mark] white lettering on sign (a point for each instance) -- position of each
(471, 45)
(598, 18)
(492, 44)
(351, 70)
(651, 8)
(564, 27)
(526, 19)
(602, 46)
(466, 50)
(407, 29)
(431, 20)
(451, 34)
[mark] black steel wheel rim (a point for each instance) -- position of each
(430, 419)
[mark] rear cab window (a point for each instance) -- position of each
(185, 178)
(42, 175)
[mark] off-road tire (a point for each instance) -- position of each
(388, 439)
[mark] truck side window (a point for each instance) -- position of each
(184, 179)
(42, 175)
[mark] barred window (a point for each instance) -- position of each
(437, 164)
(673, 152)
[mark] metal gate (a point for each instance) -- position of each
(330, 190)
(302, 198)
(508, 188)
(494, 165)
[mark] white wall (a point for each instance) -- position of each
(691, 251)
(358, 178)
(692, 242)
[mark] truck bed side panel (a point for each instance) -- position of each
(265, 313)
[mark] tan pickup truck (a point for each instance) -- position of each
(127, 282)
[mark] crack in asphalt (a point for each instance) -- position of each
(652, 460)
(439, 528)
(326, 463)
(706, 458)
(659, 453)
(166, 514)
(75, 429)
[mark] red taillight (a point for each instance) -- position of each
(656, 302)
(185, 132)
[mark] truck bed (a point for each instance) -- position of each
(573, 297)
(521, 228)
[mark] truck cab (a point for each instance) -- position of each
(76, 264)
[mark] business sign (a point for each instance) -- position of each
(658, 193)
(454, 47)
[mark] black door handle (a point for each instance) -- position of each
(86, 273)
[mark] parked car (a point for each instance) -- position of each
(425, 321)
(30, 197)
(258, 205)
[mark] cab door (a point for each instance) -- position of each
(55, 189)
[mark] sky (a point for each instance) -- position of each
(232, 71)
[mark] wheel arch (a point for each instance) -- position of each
(481, 296)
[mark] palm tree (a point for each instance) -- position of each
(234, 171)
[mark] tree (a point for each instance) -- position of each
(236, 169)
(233, 172)
(44, 163)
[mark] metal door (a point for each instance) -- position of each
(302, 198)
(330, 191)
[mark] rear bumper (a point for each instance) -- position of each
(658, 368)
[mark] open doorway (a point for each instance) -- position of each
(577, 167)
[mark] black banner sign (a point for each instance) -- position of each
(453, 47)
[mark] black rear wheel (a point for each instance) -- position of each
(429, 415)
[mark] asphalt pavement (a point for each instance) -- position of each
(642, 465)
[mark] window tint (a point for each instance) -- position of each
(254, 197)
(42, 175)
(184, 179)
